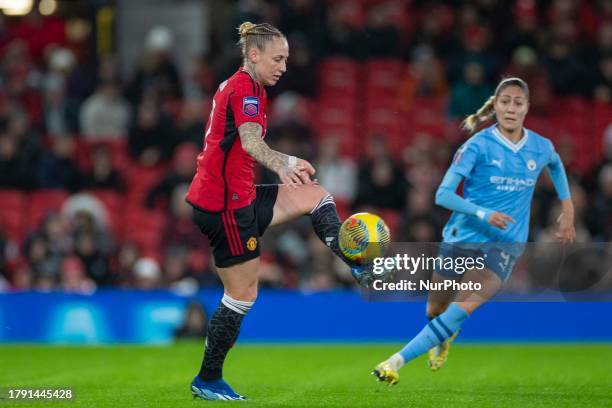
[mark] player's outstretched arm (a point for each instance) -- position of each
(447, 197)
(290, 169)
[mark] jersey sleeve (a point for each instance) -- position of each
(247, 104)
(465, 158)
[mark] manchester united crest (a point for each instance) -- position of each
(252, 244)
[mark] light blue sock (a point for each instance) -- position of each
(435, 332)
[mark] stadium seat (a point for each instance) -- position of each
(338, 77)
(140, 180)
(428, 115)
(337, 118)
(118, 149)
(382, 77)
(43, 202)
(384, 118)
(144, 228)
(12, 217)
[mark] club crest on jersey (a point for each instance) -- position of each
(531, 165)
(250, 105)
(252, 244)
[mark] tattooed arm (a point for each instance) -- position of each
(291, 170)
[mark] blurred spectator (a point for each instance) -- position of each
(336, 174)
(180, 228)
(184, 165)
(56, 169)
(300, 77)
(602, 91)
(86, 213)
(191, 122)
(474, 49)
(92, 243)
(200, 80)
(421, 220)
(22, 279)
(105, 115)
(156, 69)
(425, 78)
(102, 174)
(599, 216)
(127, 256)
(470, 93)
(567, 75)
(177, 276)
(381, 183)
(19, 148)
(526, 31)
(380, 37)
(60, 113)
(73, 277)
(96, 263)
(38, 32)
(195, 323)
(146, 274)
(340, 37)
(151, 136)
(525, 65)
(15, 170)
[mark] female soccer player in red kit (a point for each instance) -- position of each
(234, 212)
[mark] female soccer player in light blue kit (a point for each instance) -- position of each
(499, 166)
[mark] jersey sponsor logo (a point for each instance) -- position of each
(511, 183)
(250, 105)
(252, 244)
(531, 165)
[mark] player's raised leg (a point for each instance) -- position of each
(442, 327)
(315, 201)
(240, 292)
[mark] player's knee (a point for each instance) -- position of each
(243, 289)
(247, 294)
(317, 195)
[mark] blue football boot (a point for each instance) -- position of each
(365, 274)
(214, 390)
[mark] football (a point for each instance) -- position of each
(363, 237)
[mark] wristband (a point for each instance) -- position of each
(292, 162)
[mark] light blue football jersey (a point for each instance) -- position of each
(501, 176)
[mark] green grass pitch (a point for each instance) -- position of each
(497, 375)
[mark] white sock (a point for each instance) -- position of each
(396, 361)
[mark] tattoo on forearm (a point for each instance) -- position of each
(253, 144)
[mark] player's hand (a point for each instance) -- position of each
(305, 171)
(297, 174)
(567, 232)
(500, 220)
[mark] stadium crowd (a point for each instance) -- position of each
(94, 166)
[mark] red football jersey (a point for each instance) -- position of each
(225, 178)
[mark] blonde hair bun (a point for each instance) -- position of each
(244, 28)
